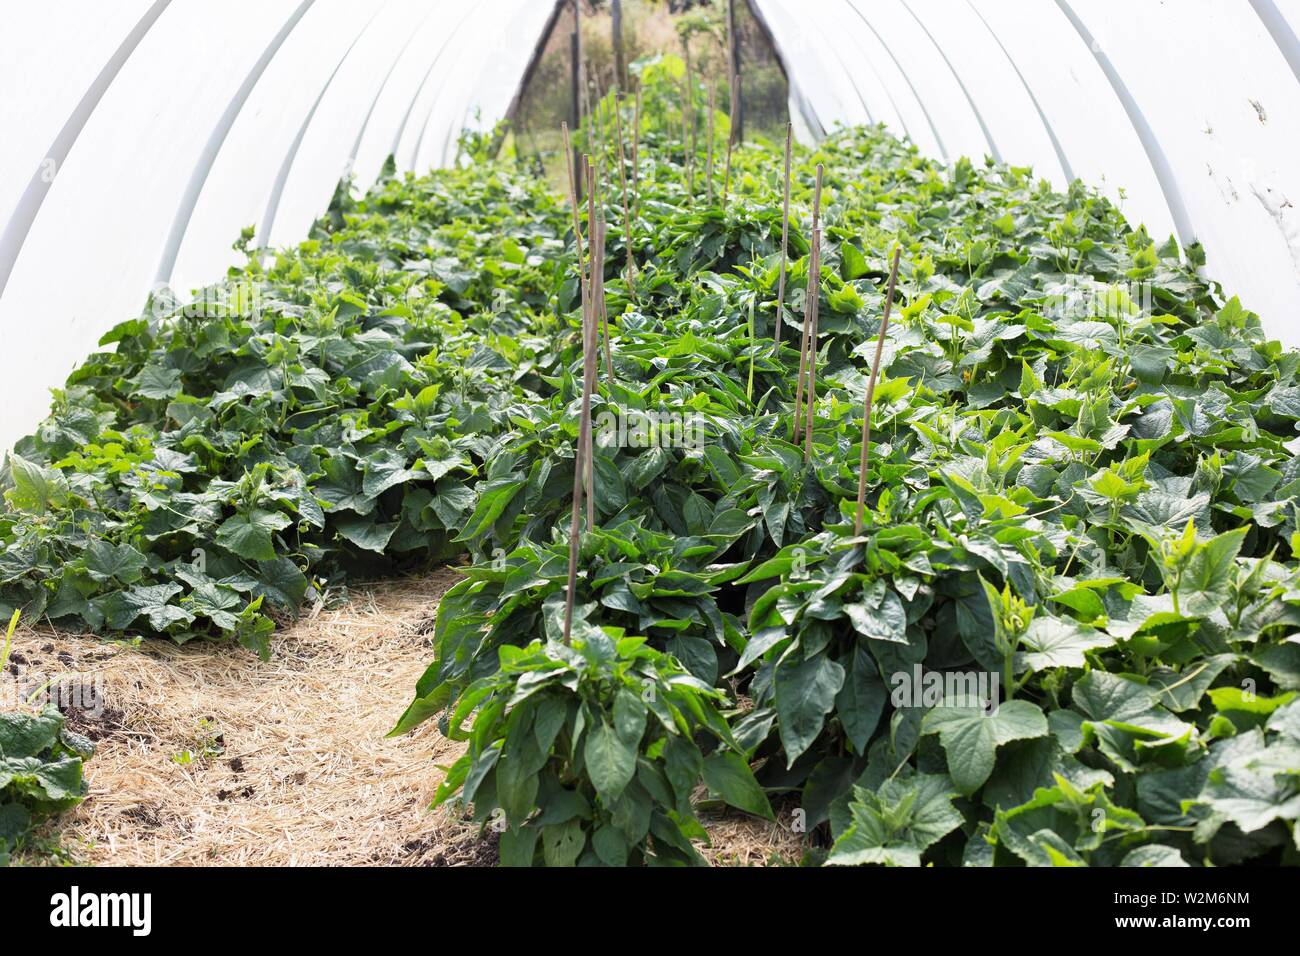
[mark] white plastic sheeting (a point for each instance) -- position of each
(140, 136)
(1186, 114)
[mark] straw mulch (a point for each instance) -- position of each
(288, 763)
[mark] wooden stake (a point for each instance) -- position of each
(785, 242)
(871, 396)
(616, 29)
(582, 468)
(584, 271)
(627, 212)
(573, 198)
(595, 120)
(712, 109)
(814, 304)
(602, 226)
(731, 141)
(804, 337)
(636, 155)
(817, 199)
(596, 288)
(688, 137)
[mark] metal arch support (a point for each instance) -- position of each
(1146, 135)
(934, 130)
(1061, 158)
(454, 130)
(199, 176)
(970, 100)
(24, 214)
(835, 52)
(884, 87)
(1280, 31)
(437, 57)
(361, 133)
(424, 127)
(282, 175)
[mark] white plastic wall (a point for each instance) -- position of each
(140, 136)
(1186, 114)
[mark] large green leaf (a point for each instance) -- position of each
(894, 825)
(805, 694)
(970, 736)
(248, 533)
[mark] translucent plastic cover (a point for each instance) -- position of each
(141, 136)
(1185, 114)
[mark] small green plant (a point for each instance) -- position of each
(591, 753)
(209, 742)
(40, 767)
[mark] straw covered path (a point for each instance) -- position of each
(207, 756)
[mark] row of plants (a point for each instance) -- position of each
(1064, 636)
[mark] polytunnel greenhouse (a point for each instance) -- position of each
(835, 433)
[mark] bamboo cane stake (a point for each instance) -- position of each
(602, 226)
(731, 141)
(583, 265)
(595, 229)
(581, 458)
(871, 395)
(803, 338)
(817, 199)
(595, 109)
(803, 364)
(690, 121)
(785, 242)
(688, 137)
(636, 155)
(814, 307)
(573, 197)
(712, 110)
(627, 209)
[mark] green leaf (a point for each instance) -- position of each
(1051, 642)
(562, 843)
(28, 735)
(35, 488)
(1205, 584)
(853, 264)
(384, 469)
(728, 775)
(805, 694)
(493, 497)
(1154, 855)
(248, 534)
(896, 824)
(970, 736)
(861, 699)
(611, 761)
(107, 562)
(884, 621)
(157, 383)
(366, 533)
